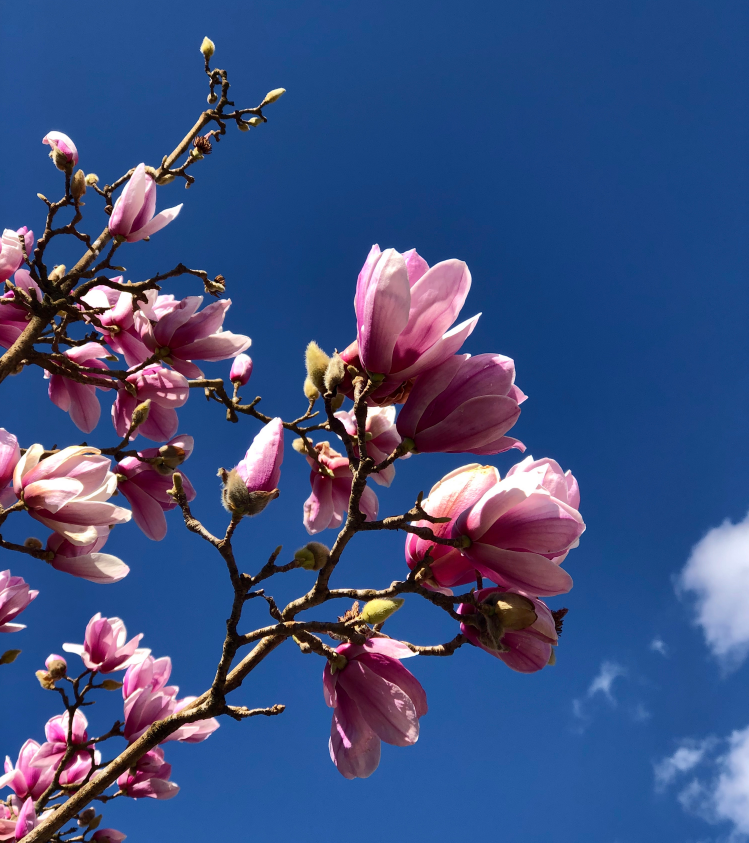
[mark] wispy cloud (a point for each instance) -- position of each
(604, 680)
(721, 794)
(658, 645)
(717, 573)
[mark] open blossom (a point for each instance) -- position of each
(521, 632)
(149, 672)
(15, 596)
(11, 251)
(13, 316)
(143, 708)
(133, 214)
(117, 322)
(331, 489)
(382, 437)
(195, 732)
(85, 561)
(10, 454)
(464, 405)
(51, 753)
(457, 491)
(106, 648)
(146, 486)
(403, 312)
(167, 390)
(24, 779)
(241, 370)
(149, 778)
(68, 491)
(374, 698)
(180, 334)
(520, 531)
(62, 147)
(27, 819)
(79, 399)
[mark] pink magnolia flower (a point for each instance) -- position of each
(13, 316)
(149, 672)
(525, 650)
(374, 698)
(241, 370)
(464, 405)
(149, 778)
(27, 819)
(382, 437)
(7, 823)
(195, 732)
(79, 399)
(167, 391)
(520, 531)
(331, 490)
(403, 312)
(52, 658)
(108, 835)
(11, 253)
(68, 492)
(51, 753)
(106, 648)
(117, 322)
(456, 492)
(15, 596)
(143, 708)
(63, 147)
(133, 214)
(85, 561)
(146, 486)
(260, 469)
(181, 334)
(10, 454)
(24, 779)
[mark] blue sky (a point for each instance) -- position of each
(587, 160)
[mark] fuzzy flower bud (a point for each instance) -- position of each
(311, 392)
(334, 373)
(272, 96)
(45, 680)
(313, 556)
(92, 179)
(33, 543)
(207, 48)
(140, 414)
(255, 121)
(317, 365)
(56, 666)
(378, 611)
(78, 185)
(237, 498)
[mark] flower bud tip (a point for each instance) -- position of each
(378, 611)
(207, 48)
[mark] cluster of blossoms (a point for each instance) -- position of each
(69, 757)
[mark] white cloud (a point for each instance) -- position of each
(723, 794)
(604, 681)
(717, 572)
(658, 645)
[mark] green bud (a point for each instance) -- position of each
(311, 392)
(272, 96)
(514, 611)
(243, 127)
(317, 364)
(255, 121)
(337, 402)
(78, 185)
(9, 656)
(334, 373)
(313, 556)
(378, 611)
(111, 685)
(207, 48)
(140, 414)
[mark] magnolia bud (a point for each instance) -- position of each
(78, 185)
(60, 160)
(45, 680)
(317, 364)
(255, 121)
(92, 179)
(242, 126)
(33, 543)
(514, 611)
(337, 402)
(111, 685)
(311, 392)
(299, 446)
(241, 370)
(238, 500)
(334, 373)
(85, 817)
(56, 665)
(272, 96)
(207, 48)
(171, 456)
(212, 98)
(9, 656)
(140, 414)
(378, 611)
(313, 556)
(57, 273)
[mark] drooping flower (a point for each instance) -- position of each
(10, 454)
(15, 596)
(181, 335)
(79, 399)
(374, 698)
(464, 405)
(133, 214)
(241, 370)
(68, 491)
(456, 492)
(167, 390)
(106, 648)
(403, 312)
(146, 486)
(51, 753)
(520, 531)
(23, 778)
(64, 152)
(513, 626)
(331, 480)
(85, 562)
(13, 316)
(149, 778)
(382, 438)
